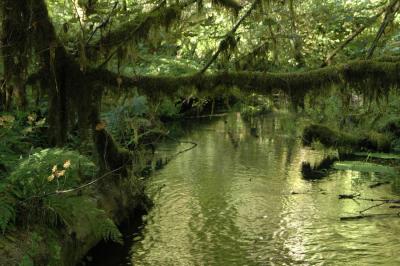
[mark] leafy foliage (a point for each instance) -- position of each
(20, 132)
(132, 123)
(49, 170)
(23, 194)
(254, 105)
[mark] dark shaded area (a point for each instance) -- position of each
(114, 254)
(319, 170)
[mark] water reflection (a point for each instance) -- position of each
(230, 201)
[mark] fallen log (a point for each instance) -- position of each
(331, 138)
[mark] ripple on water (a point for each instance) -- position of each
(221, 205)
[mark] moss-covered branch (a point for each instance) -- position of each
(371, 77)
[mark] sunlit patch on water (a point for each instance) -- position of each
(241, 200)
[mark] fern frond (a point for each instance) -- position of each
(7, 209)
(73, 210)
(108, 231)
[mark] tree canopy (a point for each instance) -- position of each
(75, 50)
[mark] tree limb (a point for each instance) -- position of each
(228, 37)
(103, 24)
(366, 75)
(390, 13)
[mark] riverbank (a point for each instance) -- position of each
(40, 245)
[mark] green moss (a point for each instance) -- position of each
(335, 139)
(111, 156)
(232, 5)
(371, 78)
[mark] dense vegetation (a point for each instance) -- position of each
(86, 84)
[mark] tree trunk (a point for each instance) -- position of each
(296, 40)
(15, 50)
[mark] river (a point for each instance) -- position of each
(240, 199)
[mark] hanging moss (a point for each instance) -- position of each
(369, 77)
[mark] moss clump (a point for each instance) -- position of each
(335, 139)
(232, 5)
(328, 137)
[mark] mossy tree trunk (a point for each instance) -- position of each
(74, 97)
(15, 51)
(296, 41)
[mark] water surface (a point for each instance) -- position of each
(237, 199)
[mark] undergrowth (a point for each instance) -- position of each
(33, 194)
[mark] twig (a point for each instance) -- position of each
(371, 207)
(58, 192)
(348, 196)
(378, 184)
(381, 200)
(194, 145)
(357, 217)
(108, 58)
(79, 18)
(206, 116)
(103, 24)
(222, 44)
(362, 215)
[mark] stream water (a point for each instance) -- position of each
(240, 199)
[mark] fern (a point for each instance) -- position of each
(24, 194)
(27, 195)
(7, 208)
(31, 177)
(82, 216)
(107, 230)
(7, 214)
